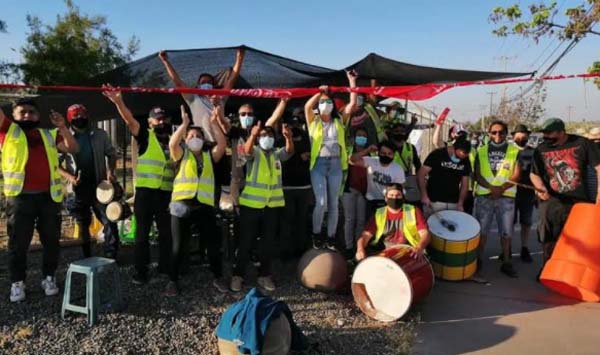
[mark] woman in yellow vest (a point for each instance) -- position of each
(396, 223)
(328, 158)
(154, 174)
(496, 165)
(33, 190)
(193, 198)
(261, 202)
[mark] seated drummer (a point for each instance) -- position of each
(396, 223)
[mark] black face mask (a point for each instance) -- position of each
(521, 143)
(80, 122)
(26, 125)
(385, 160)
(550, 141)
(395, 203)
(400, 136)
(163, 129)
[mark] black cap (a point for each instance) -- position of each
(553, 125)
(158, 112)
(462, 143)
(24, 101)
(521, 128)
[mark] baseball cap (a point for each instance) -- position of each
(76, 111)
(553, 125)
(521, 128)
(157, 112)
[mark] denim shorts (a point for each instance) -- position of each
(502, 209)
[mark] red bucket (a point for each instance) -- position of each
(386, 286)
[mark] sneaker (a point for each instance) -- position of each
(171, 290)
(220, 285)
(254, 259)
(317, 242)
(17, 291)
(526, 256)
(266, 282)
(49, 286)
(330, 244)
(139, 279)
(508, 270)
(236, 283)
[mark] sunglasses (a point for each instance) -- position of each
(495, 133)
(244, 114)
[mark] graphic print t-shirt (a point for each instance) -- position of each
(445, 176)
(496, 155)
(563, 168)
(378, 177)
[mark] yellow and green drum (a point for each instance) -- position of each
(454, 243)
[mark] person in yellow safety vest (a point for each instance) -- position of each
(261, 202)
(33, 190)
(154, 174)
(396, 223)
(496, 165)
(328, 158)
(193, 198)
(407, 157)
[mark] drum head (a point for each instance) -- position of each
(114, 211)
(382, 289)
(466, 227)
(105, 192)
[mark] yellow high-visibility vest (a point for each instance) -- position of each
(187, 185)
(409, 224)
(376, 121)
(15, 153)
(405, 159)
(154, 169)
(263, 186)
(502, 175)
(315, 130)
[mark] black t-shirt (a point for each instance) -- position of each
(525, 162)
(445, 176)
(295, 170)
(563, 168)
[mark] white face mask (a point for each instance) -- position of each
(195, 144)
(266, 143)
(205, 86)
(325, 107)
(246, 121)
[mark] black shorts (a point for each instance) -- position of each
(524, 204)
(553, 216)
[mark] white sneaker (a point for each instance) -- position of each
(236, 283)
(266, 282)
(17, 291)
(49, 286)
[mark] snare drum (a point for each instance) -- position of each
(118, 211)
(453, 254)
(386, 286)
(107, 192)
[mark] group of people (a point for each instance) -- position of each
(325, 152)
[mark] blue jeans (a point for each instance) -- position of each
(326, 178)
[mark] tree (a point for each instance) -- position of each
(73, 50)
(541, 22)
(527, 110)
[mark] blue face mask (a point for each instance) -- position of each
(246, 121)
(205, 86)
(455, 159)
(360, 141)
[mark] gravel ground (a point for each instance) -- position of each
(153, 324)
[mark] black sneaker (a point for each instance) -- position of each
(525, 256)
(140, 279)
(317, 242)
(330, 244)
(508, 270)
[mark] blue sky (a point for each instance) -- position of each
(451, 34)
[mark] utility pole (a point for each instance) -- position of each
(491, 93)
(482, 110)
(569, 109)
(504, 60)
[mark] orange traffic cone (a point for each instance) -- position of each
(574, 268)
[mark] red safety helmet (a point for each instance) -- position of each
(75, 111)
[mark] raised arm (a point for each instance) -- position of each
(175, 142)
(277, 113)
(171, 72)
(117, 99)
(2, 116)
(289, 142)
(352, 76)
(437, 136)
(310, 105)
(357, 158)
(237, 68)
(372, 98)
(249, 145)
(218, 150)
(69, 143)
(221, 123)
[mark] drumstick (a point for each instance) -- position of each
(525, 186)
(445, 223)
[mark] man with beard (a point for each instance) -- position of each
(33, 190)
(154, 174)
(559, 175)
(90, 163)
